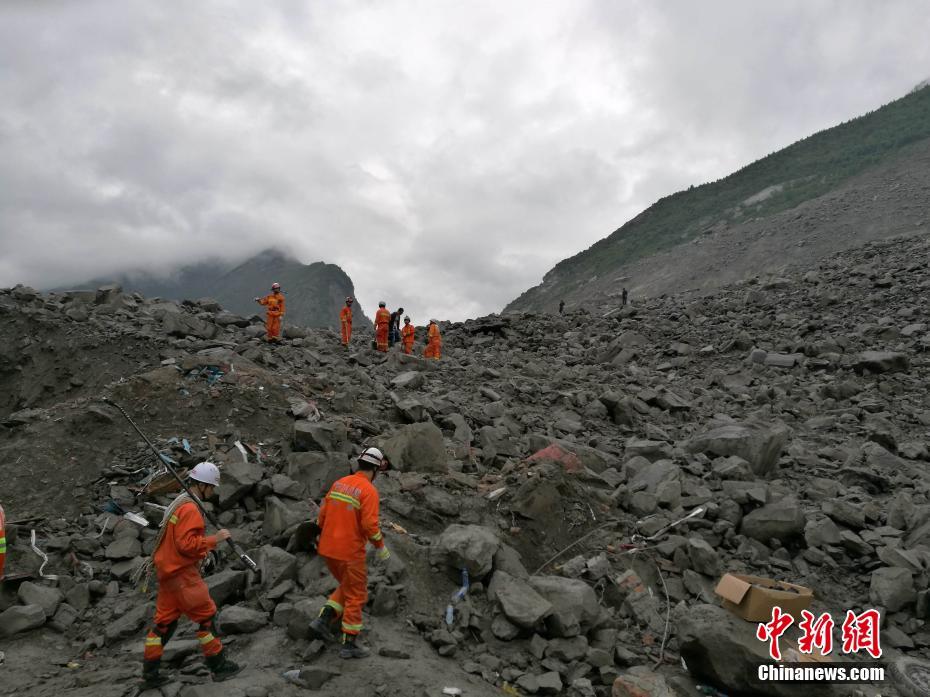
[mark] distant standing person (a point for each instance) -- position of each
(561, 306)
(433, 341)
(2, 543)
(382, 323)
(394, 328)
(345, 322)
(407, 334)
(624, 296)
(274, 304)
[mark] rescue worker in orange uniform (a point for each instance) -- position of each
(345, 322)
(407, 335)
(349, 521)
(433, 341)
(274, 302)
(382, 324)
(2, 542)
(180, 548)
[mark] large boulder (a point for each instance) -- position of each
(723, 650)
(46, 597)
(279, 516)
(236, 619)
(574, 604)
(226, 585)
(123, 548)
(417, 448)
(237, 481)
(317, 471)
(892, 588)
(759, 443)
(781, 520)
(21, 618)
(321, 436)
(466, 546)
(180, 324)
(276, 566)
(128, 624)
(520, 603)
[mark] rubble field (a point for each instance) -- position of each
(567, 490)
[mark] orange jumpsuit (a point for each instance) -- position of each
(349, 520)
(2, 542)
(382, 320)
(181, 589)
(406, 336)
(275, 304)
(345, 322)
(433, 343)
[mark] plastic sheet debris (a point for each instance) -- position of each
(43, 556)
(186, 445)
(241, 448)
(136, 518)
(454, 691)
(496, 494)
(459, 594)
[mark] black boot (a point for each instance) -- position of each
(322, 626)
(151, 676)
(350, 649)
(221, 667)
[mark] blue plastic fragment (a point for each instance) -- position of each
(186, 445)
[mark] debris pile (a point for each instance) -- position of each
(568, 490)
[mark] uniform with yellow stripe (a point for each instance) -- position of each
(181, 589)
(349, 522)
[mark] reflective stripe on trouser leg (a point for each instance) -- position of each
(355, 588)
(334, 604)
(155, 640)
(209, 643)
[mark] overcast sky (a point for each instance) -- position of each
(445, 154)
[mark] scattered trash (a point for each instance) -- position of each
(397, 528)
(241, 449)
(136, 518)
(496, 494)
(293, 677)
(186, 445)
(459, 594)
(44, 557)
(753, 597)
(454, 691)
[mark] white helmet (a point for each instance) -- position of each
(205, 473)
(373, 457)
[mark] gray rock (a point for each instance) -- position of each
(781, 520)
(723, 650)
(759, 443)
(64, 617)
(882, 362)
(892, 588)
(46, 597)
(276, 566)
(321, 436)
(417, 448)
(128, 624)
(314, 677)
(124, 547)
(279, 516)
(568, 650)
(704, 558)
(236, 619)
(466, 546)
(520, 603)
(317, 471)
(21, 618)
(237, 481)
(574, 604)
(227, 585)
(410, 380)
(78, 596)
(549, 683)
(504, 629)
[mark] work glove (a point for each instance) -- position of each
(384, 554)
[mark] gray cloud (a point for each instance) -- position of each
(445, 154)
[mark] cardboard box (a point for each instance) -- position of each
(753, 597)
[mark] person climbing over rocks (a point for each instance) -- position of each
(345, 322)
(348, 521)
(382, 324)
(180, 547)
(394, 327)
(433, 341)
(407, 335)
(274, 304)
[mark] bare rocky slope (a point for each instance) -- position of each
(545, 455)
(865, 179)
